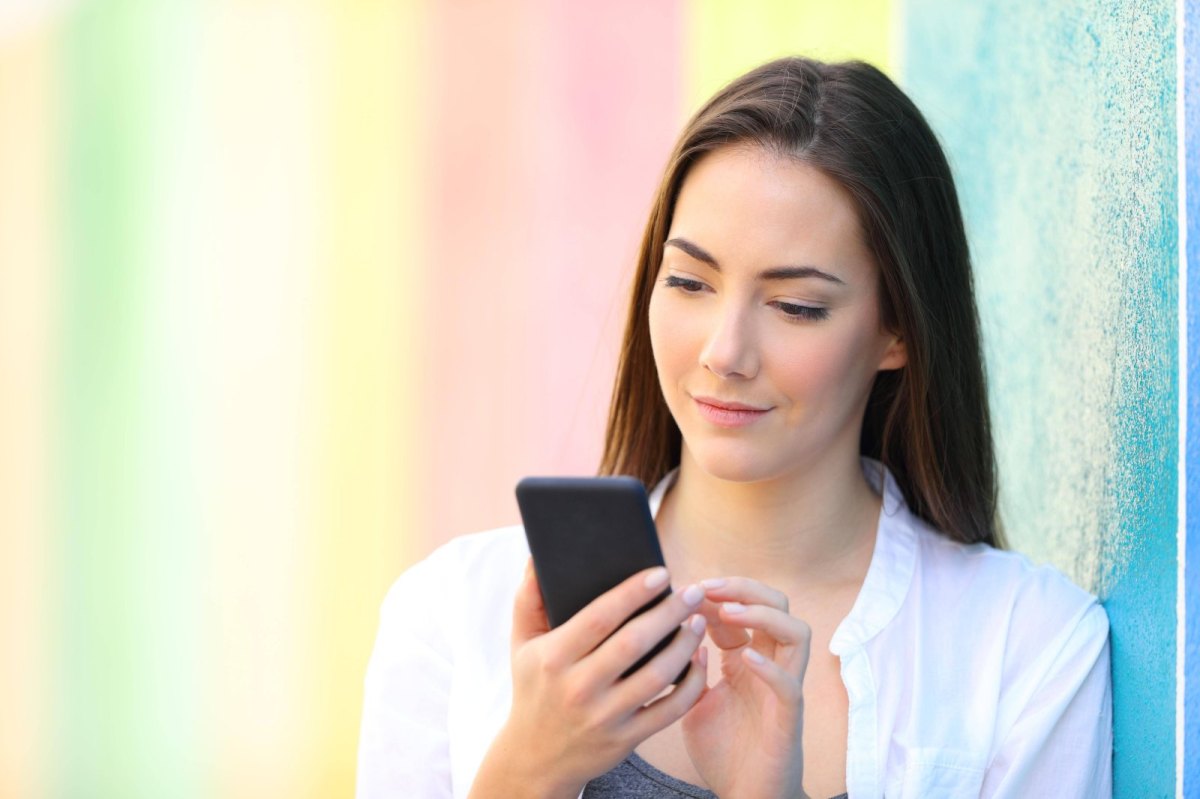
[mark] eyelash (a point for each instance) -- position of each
(795, 313)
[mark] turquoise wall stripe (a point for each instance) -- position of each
(1060, 124)
(126, 693)
(1191, 149)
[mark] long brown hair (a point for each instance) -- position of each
(928, 422)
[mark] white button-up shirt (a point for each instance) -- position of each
(970, 671)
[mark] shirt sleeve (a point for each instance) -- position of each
(404, 740)
(1060, 743)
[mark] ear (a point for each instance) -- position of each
(895, 356)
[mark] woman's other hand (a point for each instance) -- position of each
(573, 718)
(744, 735)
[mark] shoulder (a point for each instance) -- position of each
(473, 558)
(1017, 650)
(1027, 614)
(982, 574)
(470, 578)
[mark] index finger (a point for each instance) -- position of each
(725, 636)
(605, 614)
(746, 590)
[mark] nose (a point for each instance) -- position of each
(730, 351)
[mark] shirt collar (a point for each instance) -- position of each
(893, 559)
(660, 490)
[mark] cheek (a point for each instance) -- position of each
(657, 330)
(811, 367)
(831, 364)
(672, 334)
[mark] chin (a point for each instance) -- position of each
(737, 463)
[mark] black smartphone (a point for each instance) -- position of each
(587, 535)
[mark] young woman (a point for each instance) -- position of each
(801, 385)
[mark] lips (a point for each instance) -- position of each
(727, 404)
(726, 416)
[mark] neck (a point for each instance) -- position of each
(807, 530)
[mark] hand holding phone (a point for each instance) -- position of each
(586, 535)
(573, 717)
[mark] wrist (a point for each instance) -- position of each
(505, 773)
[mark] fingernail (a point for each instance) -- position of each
(733, 607)
(713, 582)
(752, 655)
(697, 624)
(693, 594)
(657, 578)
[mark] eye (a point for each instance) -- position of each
(794, 312)
(690, 286)
(803, 312)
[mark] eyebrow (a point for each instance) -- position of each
(774, 273)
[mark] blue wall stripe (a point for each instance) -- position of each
(1190, 19)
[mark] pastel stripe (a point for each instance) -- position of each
(369, 328)
(727, 39)
(533, 251)
(29, 308)
(118, 673)
(263, 231)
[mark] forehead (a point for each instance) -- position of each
(752, 208)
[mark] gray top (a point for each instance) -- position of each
(634, 778)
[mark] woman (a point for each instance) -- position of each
(802, 385)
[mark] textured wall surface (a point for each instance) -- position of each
(1190, 764)
(278, 278)
(1060, 124)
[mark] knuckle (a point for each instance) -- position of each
(792, 691)
(548, 661)
(685, 694)
(803, 630)
(597, 625)
(662, 672)
(630, 644)
(668, 613)
(575, 696)
(672, 659)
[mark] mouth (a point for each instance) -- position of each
(723, 415)
(727, 405)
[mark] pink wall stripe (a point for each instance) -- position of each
(554, 121)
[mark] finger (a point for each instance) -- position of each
(601, 617)
(529, 612)
(784, 628)
(786, 687)
(724, 636)
(656, 674)
(640, 635)
(663, 712)
(746, 590)
(778, 628)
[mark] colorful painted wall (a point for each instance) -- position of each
(1062, 127)
(291, 292)
(1188, 613)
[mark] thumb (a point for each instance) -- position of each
(529, 611)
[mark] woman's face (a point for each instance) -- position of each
(766, 296)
